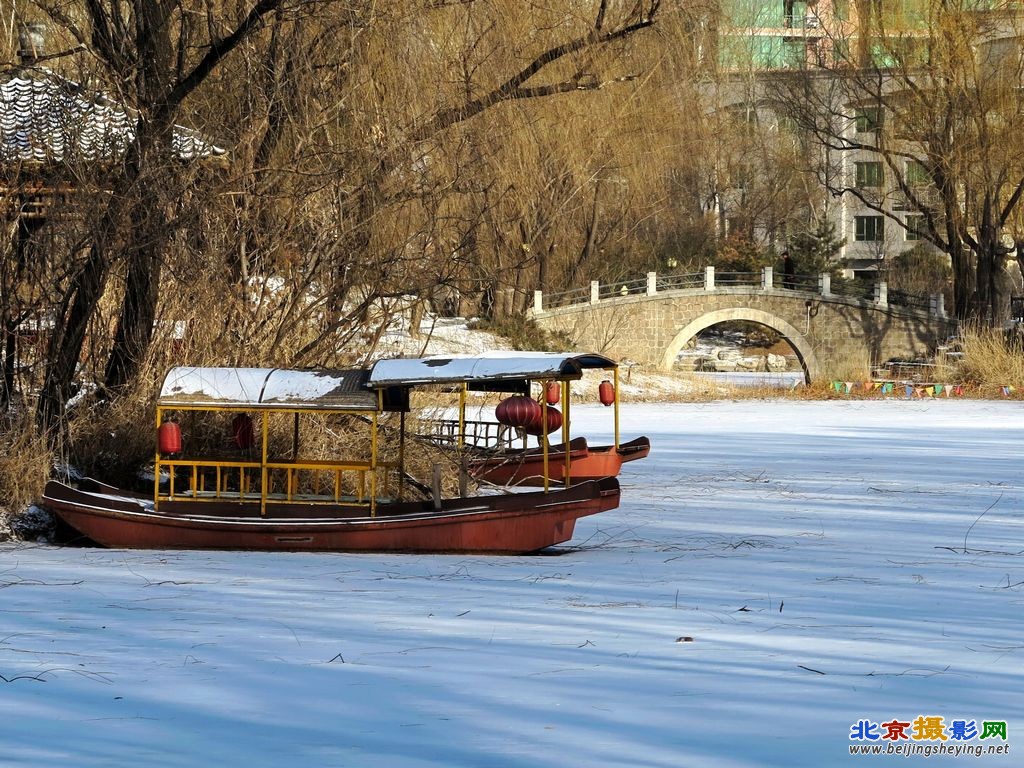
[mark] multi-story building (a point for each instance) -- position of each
(865, 193)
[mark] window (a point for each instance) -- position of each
(869, 174)
(915, 226)
(841, 50)
(868, 229)
(794, 53)
(868, 119)
(917, 174)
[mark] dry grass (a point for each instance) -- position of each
(990, 360)
(25, 463)
(112, 440)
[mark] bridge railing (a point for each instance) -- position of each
(679, 282)
(911, 300)
(726, 279)
(855, 289)
(623, 288)
(766, 280)
(566, 298)
(807, 283)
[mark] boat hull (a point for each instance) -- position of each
(509, 524)
(585, 463)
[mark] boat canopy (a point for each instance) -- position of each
(268, 388)
(485, 371)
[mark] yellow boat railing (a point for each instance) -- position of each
(234, 480)
(256, 476)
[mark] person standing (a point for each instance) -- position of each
(788, 271)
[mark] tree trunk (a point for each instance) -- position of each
(135, 326)
(149, 233)
(80, 301)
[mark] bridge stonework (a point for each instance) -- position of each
(832, 335)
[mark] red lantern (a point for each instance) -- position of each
(606, 392)
(536, 427)
(517, 411)
(552, 392)
(242, 432)
(169, 438)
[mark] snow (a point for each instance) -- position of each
(437, 336)
(500, 364)
(831, 561)
(251, 387)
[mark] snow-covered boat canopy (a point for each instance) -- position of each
(268, 388)
(490, 371)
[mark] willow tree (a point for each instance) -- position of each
(932, 93)
(338, 117)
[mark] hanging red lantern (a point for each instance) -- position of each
(242, 432)
(517, 411)
(169, 438)
(552, 392)
(537, 426)
(606, 392)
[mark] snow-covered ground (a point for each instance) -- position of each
(777, 573)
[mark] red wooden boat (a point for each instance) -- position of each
(250, 489)
(515, 523)
(519, 467)
(489, 449)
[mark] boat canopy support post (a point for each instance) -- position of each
(373, 463)
(565, 433)
(544, 436)
(156, 462)
(401, 455)
(615, 378)
(462, 416)
(435, 486)
(264, 478)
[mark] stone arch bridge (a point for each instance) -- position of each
(834, 333)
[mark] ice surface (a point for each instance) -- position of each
(830, 561)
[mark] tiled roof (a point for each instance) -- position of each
(51, 119)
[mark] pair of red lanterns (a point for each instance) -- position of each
(605, 392)
(243, 435)
(526, 413)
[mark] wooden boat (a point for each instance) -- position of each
(526, 467)
(516, 523)
(248, 489)
(491, 453)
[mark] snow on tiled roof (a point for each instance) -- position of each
(51, 119)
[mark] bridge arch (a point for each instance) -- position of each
(799, 342)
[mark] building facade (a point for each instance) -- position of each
(873, 183)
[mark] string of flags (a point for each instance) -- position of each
(907, 390)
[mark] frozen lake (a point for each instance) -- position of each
(778, 573)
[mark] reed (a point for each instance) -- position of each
(25, 464)
(990, 359)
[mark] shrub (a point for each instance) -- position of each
(991, 359)
(25, 463)
(738, 253)
(524, 333)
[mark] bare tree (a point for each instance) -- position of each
(943, 102)
(376, 151)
